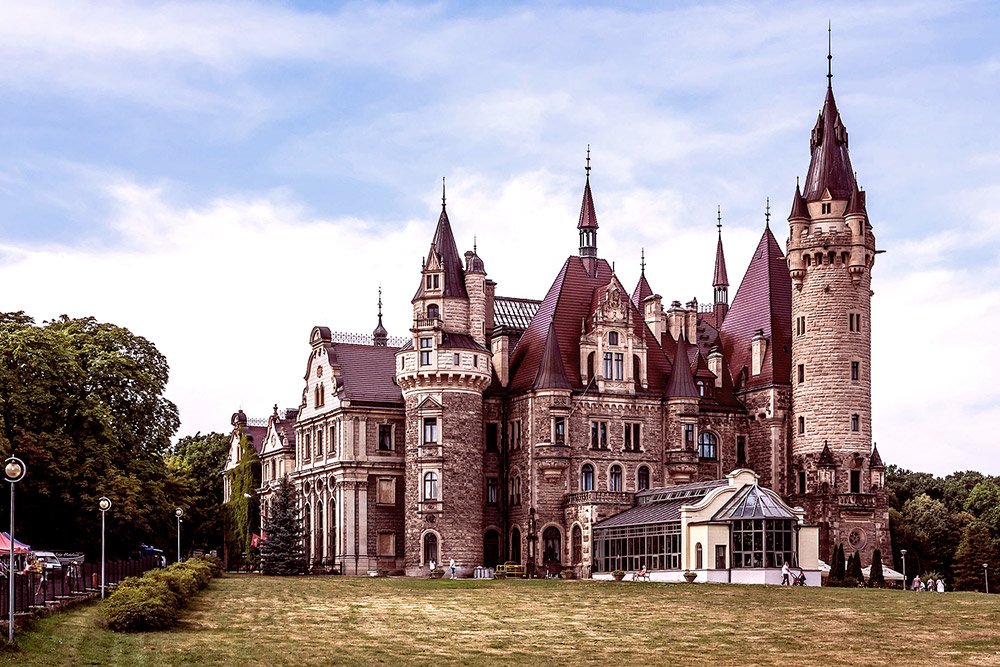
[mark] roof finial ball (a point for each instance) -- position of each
(587, 169)
(443, 198)
(829, 54)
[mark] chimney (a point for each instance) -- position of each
(758, 347)
(715, 365)
(653, 308)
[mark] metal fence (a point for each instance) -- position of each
(33, 590)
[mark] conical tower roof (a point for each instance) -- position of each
(721, 278)
(800, 211)
(642, 288)
(551, 374)
(876, 459)
(446, 249)
(830, 165)
(681, 381)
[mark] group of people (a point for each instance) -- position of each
(789, 578)
(451, 566)
(929, 586)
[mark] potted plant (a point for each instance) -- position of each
(690, 576)
(568, 573)
(618, 575)
(437, 573)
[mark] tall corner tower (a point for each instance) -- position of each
(443, 374)
(831, 251)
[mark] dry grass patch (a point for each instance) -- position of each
(332, 620)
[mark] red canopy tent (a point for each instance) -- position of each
(19, 547)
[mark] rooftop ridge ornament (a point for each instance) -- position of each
(767, 213)
(718, 218)
(829, 54)
(443, 198)
(587, 168)
(642, 262)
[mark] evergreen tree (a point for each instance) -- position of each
(854, 574)
(282, 551)
(836, 577)
(977, 547)
(876, 579)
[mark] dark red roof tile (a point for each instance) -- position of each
(551, 373)
(763, 302)
(800, 211)
(367, 372)
(444, 245)
(681, 383)
(830, 165)
(588, 215)
(721, 279)
(641, 291)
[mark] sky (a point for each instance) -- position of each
(221, 177)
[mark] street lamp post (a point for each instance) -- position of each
(103, 504)
(986, 576)
(178, 513)
(903, 551)
(13, 470)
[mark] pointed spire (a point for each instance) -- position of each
(767, 213)
(444, 247)
(551, 372)
(642, 262)
(856, 206)
(681, 381)
(800, 211)
(380, 336)
(642, 288)
(588, 224)
(875, 461)
(829, 54)
(444, 198)
(721, 278)
(830, 165)
(826, 457)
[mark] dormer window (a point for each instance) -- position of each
(431, 282)
(433, 312)
(826, 208)
(613, 338)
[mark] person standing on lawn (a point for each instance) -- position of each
(451, 564)
(785, 572)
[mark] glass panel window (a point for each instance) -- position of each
(633, 441)
(760, 543)
(608, 365)
(599, 435)
(430, 430)
(643, 478)
(426, 345)
(613, 338)
(855, 370)
(319, 442)
(855, 422)
(653, 546)
(559, 430)
(615, 478)
(689, 436)
(492, 490)
(385, 437)
(430, 486)
(587, 477)
(619, 365)
(707, 445)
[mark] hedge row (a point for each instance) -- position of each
(154, 600)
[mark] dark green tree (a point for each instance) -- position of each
(854, 574)
(837, 569)
(282, 551)
(82, 403)
(876, 578)
(196, 463)
(977, 547)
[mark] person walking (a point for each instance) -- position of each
(451, 564)
(940, 585)
(917, 584)
(785, 572)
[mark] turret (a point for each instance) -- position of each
(720, 281)
(588, 225)
(380, 336)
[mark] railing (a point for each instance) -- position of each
(367, 339)
(426, 322)
(36, 590)
(856, 499)
(599, 497)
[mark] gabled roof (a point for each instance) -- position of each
(681, 383)
(830, 165)
(661, 505)
(763, 302)
(564, 311)
(444, 246)
(721, 279)
(754, 502)
(588, 215)
(551, 374)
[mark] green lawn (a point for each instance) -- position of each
(329, 620)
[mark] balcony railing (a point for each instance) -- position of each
(856, 499)
(600, 498)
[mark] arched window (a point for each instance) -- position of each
(430, 486)
(707, 445)
(551, 545)
(331, 512)
(318, 532)
(636, 370)
(590, 365)
(577, 545)
(643, 478)
(587, 477)
(491, 548)
(307, 524)
(615, 478)
(431, 549)
(515, 544)
(698, 557)
(433, 312)
(515, 490)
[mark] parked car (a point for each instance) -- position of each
(48, 560)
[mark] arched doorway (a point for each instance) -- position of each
(431, 549)
(515, 544)
(551, 546)
(491, 548)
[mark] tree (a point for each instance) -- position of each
(82, 403)
(977, 547)
(837, 570)
(876, 578)
(983, 502)
(854, 574)
(241, 510)
(282, 550)
(196, 463)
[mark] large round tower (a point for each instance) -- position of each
(831, 251)
(443, 375)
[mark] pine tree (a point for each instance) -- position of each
(876, 578)
(282, 551)
(836, 577)
(854, 574)
(977, 547)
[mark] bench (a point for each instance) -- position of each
(641, 575)
(509, 570)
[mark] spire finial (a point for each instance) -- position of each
(642, 263)
(588, 161)
(380, 302)
(443, 198)
(829, 54)
(767, 213)
(475, 248)
(718, 219)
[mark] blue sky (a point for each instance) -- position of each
(220, 177)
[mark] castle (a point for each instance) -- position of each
(575, 432)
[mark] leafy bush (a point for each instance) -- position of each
(146, 604)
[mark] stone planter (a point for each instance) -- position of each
(690, 577)
(618, 575)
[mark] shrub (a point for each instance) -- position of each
(182, 583)
(145, 604)
(854, 570)
(202, 572)
(876, 578)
